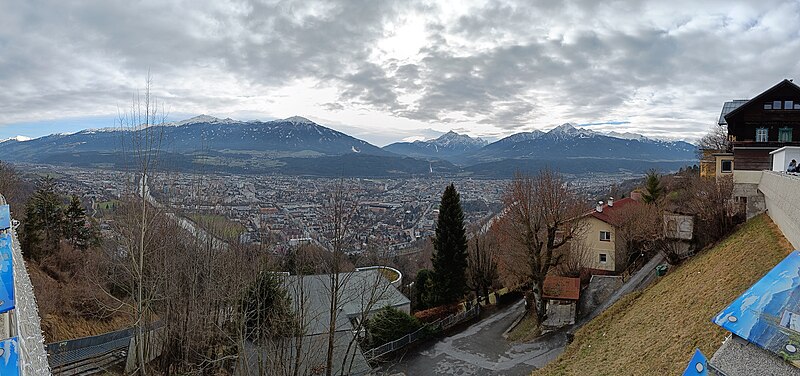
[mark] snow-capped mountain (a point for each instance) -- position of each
(450, 144)
(16, 138)
(627, 136)
(568, 141)
(295, 146)
(204, 119)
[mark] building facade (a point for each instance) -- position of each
(760, 125)
(599, 243)
(757, 127)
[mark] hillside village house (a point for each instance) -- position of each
(756, 128)
(599, 241)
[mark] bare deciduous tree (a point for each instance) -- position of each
(481, 264)
(715, 139)
(538, 220)
(637, 227)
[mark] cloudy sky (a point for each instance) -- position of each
(391, 70)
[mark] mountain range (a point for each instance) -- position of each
(300, 146)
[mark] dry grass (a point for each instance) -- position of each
(526, 330)
(70, 305)
(654, 332)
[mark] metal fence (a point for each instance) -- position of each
(441, 324)
(89, 353)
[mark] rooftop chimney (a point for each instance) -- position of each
(636, 196)
(610, 202)
(599, 207)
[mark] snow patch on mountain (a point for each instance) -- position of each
(202, 119)
(17, 138)
(298, 120)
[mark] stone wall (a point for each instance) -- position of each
(782, 195)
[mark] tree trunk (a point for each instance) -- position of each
(538, 305)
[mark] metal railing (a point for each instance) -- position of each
(441, 324)
(94, 354)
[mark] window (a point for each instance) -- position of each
(797, 106)
(726, 166)
(785, 135)
(776, 105)
(788, 105)
(603, 258)
(605, 236)
(767, 106)
(761, 135)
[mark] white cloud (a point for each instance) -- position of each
(385, 70)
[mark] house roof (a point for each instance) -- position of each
(758, 98)
(729, 106)
(607, 214)
(564, 288)
(359, 291)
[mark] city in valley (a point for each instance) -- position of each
(393, 216)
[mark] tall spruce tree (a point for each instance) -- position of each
(652, 187)
(75, 229)
(43, 225)
(450, 249)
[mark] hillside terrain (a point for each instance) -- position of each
(655, 332)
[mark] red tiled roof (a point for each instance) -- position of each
(605, 216)
(565, 288)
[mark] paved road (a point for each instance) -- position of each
(481, 350)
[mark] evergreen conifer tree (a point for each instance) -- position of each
(75, 230)
(450, 249)
(43, 225)
(652, 188)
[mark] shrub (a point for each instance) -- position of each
(390, 324)
(436, 313)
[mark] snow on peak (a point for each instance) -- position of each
(201, 119)
(568, 129)
(627, 136)
(17, 138)
(564, 128)
(298, 120)
(454, 139)
(522, 136)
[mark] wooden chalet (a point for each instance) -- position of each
(760, 125)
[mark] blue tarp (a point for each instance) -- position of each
(9, 357)
(768, 314)
(5, 217)
(697, 366)
(6, 274)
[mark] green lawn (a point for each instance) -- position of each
(655, 332)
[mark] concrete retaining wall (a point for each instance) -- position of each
(782, 194)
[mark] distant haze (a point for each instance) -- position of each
(386, 71)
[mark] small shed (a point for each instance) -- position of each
(562, 295)
(783, 156)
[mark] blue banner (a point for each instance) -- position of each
(9, 357)
(698, 365)
(768, 313)
(5, 217)
(6, 275)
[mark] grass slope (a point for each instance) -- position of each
(654, 332)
